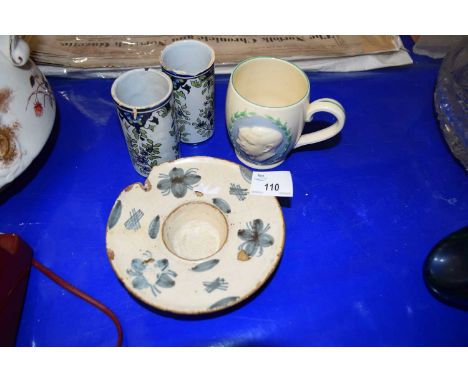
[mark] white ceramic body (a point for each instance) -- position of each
(192, 240)
(267, 105)
(190, 64)
(143, 98)
(27, 109)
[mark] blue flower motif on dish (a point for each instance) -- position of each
(255, 238)
(164, 278)
(178, 181)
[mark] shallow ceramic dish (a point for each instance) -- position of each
(191, 240)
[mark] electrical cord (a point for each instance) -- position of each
(66, 285)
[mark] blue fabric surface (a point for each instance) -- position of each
(368, 206)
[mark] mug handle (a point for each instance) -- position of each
(330, 106)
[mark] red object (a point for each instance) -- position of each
(15, 264)
(38, 109)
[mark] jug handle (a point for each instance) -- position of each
(15, 49)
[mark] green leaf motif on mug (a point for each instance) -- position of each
(241, 114)
(282, 126)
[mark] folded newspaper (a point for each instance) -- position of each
(108, 56)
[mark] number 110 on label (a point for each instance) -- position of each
(272, 187)
(272, 183)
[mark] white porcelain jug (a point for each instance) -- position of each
(27, 109)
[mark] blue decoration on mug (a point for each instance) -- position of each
(259, 139)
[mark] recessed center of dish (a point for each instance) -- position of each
(195, 231)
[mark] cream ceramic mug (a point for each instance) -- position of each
(267, 104)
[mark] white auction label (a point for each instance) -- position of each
(272, 183)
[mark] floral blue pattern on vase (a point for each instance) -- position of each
(137, 120)
(205, 121)
(181, 114)
(152, 136)
(178, 181)
(194, 105)
(255, 238)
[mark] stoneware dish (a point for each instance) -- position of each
(27, 109)
(191, 240)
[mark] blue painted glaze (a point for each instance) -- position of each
(115, 214)
(222, 205)
(368, 207)
(205, 266)
(153, 228)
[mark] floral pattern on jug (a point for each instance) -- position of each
(41, 91)
(27, 109)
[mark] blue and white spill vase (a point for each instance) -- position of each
(190, 65)
(145, 107)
